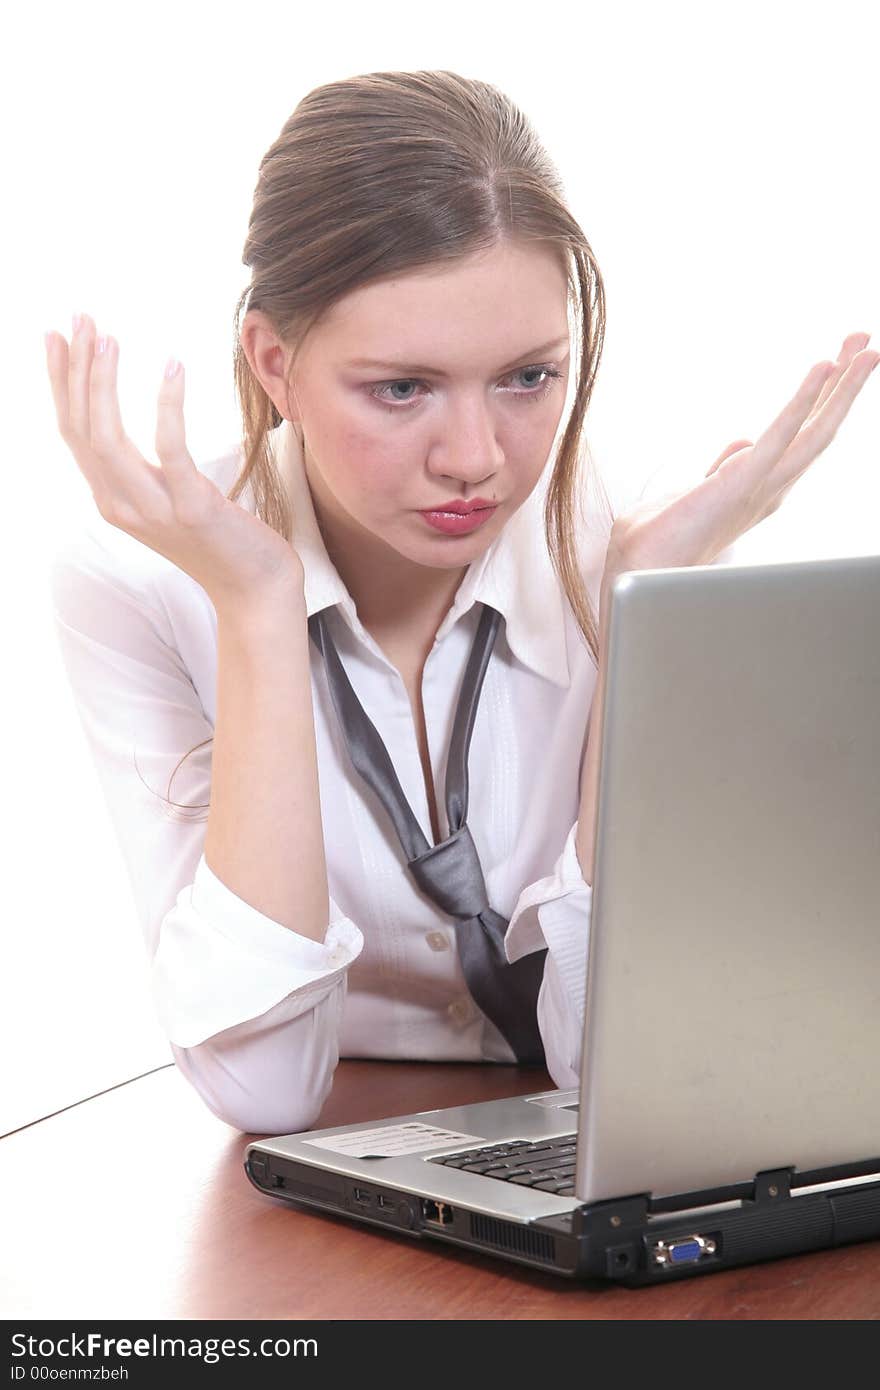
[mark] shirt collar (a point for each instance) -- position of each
(515, 574)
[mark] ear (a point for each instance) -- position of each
(268, 358)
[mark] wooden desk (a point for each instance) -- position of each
(135, 1205)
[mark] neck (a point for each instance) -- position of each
(401, 603)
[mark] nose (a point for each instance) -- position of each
(468, 447)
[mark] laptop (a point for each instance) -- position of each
(728, 1106)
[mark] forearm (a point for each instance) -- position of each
(265, 838)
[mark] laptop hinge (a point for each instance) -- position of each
(613, 1218)
(773, 1184)
(604, 1220)
(766, 1186)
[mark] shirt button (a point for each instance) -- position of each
(437, 941)
(459, 1010)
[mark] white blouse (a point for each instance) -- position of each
(256, 1014)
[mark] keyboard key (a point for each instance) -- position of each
(543, 1159)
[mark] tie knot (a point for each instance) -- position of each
(450, 874)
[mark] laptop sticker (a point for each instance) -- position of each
(393, 1140)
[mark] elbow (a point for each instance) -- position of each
(267, 1082)
(257, 1116)
(252, 1106)
(565, 1075)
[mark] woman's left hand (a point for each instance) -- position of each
(748, 480)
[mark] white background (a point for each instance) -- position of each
(722, 160)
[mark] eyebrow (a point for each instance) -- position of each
(407, 367)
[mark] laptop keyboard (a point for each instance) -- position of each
(546, 1164)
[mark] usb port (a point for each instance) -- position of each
(361, 1195)
(383, 1201)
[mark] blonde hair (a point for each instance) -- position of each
(389, 172)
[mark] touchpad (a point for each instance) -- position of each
(557, 1100)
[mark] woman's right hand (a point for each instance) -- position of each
(174, 509)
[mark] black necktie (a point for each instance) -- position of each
(449, 872)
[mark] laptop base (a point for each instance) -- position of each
(630, 1241)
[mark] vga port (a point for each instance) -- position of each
(681, 1250)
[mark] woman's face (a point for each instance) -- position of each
(429, 387)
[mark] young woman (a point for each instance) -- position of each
(402, 367)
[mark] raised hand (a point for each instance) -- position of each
(173, 508)
(748, 480)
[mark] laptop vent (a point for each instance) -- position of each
(505, 1235)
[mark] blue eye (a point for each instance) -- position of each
(390, 386)
(550, 374)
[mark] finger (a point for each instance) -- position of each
(774, 442)
(852, 344)
(107, 434)
(821, 429)
(113, 464)
(178, 464)
(57, 366)
(816, 437)
(733, 448)
(79, 371)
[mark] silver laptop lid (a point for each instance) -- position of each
(733, 992)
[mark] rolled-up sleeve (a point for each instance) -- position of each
(554, 912)
(251, 1008)
(220, 961)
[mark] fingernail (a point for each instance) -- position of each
(172, 367)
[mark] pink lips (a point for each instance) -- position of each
(458, 524)
(458, 504)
